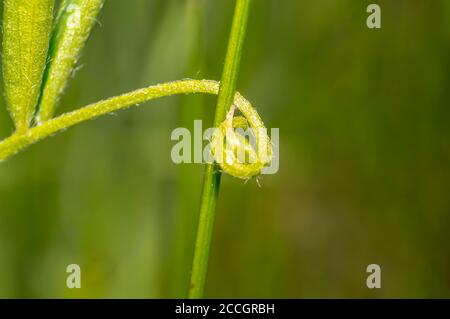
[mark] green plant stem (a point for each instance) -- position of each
(211, 182)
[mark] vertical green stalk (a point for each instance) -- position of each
(211, 181)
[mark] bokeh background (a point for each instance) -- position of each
(365, 150)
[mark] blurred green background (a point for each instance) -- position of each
(364, 175)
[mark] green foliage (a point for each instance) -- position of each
(26, 33)
(73, 26)
(364, 145)
(31, 25)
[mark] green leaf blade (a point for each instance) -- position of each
(73, 26)
(26, 34)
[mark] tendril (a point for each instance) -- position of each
(258, 157)
(232, 149)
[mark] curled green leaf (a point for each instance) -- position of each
(26, 33)
(73, 26)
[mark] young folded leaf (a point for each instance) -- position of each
(27, 26)
(72, 29)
